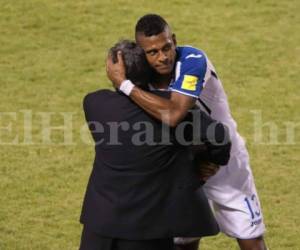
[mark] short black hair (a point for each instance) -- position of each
(151, 24)
(137, 68)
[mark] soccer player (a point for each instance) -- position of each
(191, 77)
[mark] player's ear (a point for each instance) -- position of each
(174, 39)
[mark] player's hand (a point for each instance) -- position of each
(116, 71)
(206, 170)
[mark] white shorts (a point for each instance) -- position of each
(234, 200)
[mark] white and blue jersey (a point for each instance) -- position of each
(195, 76)
(232, 189)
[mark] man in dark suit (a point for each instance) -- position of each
(143, 182)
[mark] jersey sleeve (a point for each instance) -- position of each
(191, 74)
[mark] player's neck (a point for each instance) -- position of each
(161, 81)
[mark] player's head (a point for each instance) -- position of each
(136, 65)
(154, 35)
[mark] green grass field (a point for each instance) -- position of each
(52, 53)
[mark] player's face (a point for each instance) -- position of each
(160, 50)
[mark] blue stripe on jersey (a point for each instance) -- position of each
(192, 71)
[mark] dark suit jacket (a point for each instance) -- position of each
(139, 191)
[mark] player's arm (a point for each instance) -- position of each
(170, 111)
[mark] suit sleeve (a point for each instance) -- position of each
(211, 141)
(89, 107)
(86, 109)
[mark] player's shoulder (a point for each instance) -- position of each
(189, 52)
